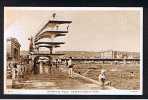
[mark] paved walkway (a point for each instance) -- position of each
(59, 79)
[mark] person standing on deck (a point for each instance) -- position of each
(102, 77)
(67, 27)
(50, 66)
(53, 15)
(21, 71)
(14, 74)
(57, 64)
(14, 71)
(70, 67)
(66, 63)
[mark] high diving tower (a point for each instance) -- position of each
(50, 30)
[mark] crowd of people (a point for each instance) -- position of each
(19, 70)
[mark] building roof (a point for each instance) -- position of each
(12, 39)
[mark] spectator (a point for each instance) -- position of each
(67, 27)
(14, 71)
(57, 64)
(57, 27)
(54, 15)
(70, 67)
(132, 75)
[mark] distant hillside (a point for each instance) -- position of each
(71, 53)
(80, 53)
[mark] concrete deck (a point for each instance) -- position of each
(59, 79)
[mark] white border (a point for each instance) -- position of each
(76, 8)
(80, 92)
(141, 50)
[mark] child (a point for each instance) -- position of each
(102, 77)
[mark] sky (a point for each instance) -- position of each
(90, 30)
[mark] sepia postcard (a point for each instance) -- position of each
(73, 50)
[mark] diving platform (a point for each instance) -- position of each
(48, 35)
(56, 32)
(53, 22)
(59, 22)
(48, 46)
(51, 43)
